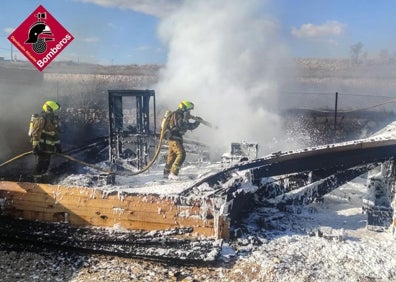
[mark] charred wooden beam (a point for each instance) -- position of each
(81, 206)
(316, 190)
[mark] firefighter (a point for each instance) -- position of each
(45, 138)
(179, 122)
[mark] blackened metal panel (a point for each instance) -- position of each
(325, 159)
(319, 159)
(116, 124)
(146, 114)
(142, 134)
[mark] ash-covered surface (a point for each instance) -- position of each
(326, 241)
(150, 245)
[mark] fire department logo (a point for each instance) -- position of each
(40, 38)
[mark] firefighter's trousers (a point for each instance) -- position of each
(175, 158)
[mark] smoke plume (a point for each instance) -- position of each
(224, 57)
(17, 104)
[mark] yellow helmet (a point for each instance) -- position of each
(51, 106)
(186, 106)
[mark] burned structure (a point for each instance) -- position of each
(242, 151)
(132, 127)
(206, 205)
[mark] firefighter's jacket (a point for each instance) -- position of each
(179, 123)
(45, 131)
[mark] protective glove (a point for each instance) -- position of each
(58, 148)
(36, 149)
(199, 119)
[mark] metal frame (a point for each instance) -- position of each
(139, 133)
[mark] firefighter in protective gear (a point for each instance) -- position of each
(179, 123)
(45, 138)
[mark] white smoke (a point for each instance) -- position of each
(224, 57)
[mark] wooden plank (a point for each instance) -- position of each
(11, 187)
(83, 201)
(27, 196)
(51, 189)
(38, 202)
(85, 194)
(180, 214)
(223, 230)
(82, 206)
(76, 203)
(77, 220)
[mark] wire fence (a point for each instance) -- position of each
(332, 101)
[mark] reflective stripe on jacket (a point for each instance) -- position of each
(45, 130)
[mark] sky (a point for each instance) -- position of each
(127, 31)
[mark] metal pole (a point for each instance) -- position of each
(335, 112)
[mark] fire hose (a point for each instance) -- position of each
(58, 154)
(16, 158)
(87, 164)
(163, 127)
(164, 124)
